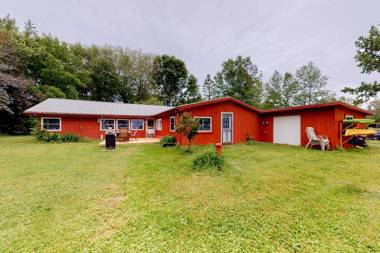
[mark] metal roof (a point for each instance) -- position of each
(85, 107)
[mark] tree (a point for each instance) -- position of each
(312, 85)
(368, 59)
(190, 92)
(208, 88)
(14, 99)
(281, 91)
(187, 126)
(30, 29)
(169, 74)
(374, 106)
(274, 91)
(104, 80)
(240, 78)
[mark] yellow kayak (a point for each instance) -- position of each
(357, 131)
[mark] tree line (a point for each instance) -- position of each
(241, 79)
(36, 66)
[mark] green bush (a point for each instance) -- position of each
(70, 137)
(250, 142)
(168, 140)
(54, 137)
(208, 160)
(41, 136)
(45, 136)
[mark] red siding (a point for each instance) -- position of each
(245, 121)
(88, 127)
(325, 121)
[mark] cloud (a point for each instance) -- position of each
(278, 35)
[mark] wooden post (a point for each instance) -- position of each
(341, 135)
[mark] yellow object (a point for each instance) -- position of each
(358, 131)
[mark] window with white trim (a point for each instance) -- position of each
(204, 124)
(159, 124)
(51, 124)
(137, 124)
(172, 123)
(106, 124)
(123, 123)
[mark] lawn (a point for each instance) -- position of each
(138, 198)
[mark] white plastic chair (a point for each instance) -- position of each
(317, 140)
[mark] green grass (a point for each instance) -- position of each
(138, 198)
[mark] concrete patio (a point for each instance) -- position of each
(132, 141)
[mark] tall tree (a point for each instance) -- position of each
(274, 91)
(208, 88)
(15, 97)
(240, 78)
(104, 80)
(368, 59)
(312, 85)
(281, 91)
(290, 89)
(190, 92)
(169, 74)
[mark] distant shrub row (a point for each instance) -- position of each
(44, 136)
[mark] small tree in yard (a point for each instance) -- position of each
(187, 125)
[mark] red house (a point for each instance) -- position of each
(225, 120)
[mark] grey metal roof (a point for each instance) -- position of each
(84, 107)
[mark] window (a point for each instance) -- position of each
(51, 124)
(204, 124)
(159, 124)
(106, 124)
(172, 123)
(123, 123)
(137, 124)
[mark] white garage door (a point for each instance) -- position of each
(287, 130)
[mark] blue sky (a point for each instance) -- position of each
(277, 35)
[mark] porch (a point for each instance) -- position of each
(133, 141)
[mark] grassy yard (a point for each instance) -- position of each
(79, 197)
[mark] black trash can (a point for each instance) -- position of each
(110, 141)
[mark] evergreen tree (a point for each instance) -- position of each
(208, 88)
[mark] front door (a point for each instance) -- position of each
(227, 127)
(150, 129)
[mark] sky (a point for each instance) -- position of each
(277, 35)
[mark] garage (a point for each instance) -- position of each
(287, 130)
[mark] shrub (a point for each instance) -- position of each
(70, 138)
(54, 137)
(250, 142)
(168, 140)
(41, 136)
(44, 136)
(208, 160)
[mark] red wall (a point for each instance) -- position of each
(88, 127)
(245, 122)
(325, 122)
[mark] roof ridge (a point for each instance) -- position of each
(106, 102)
